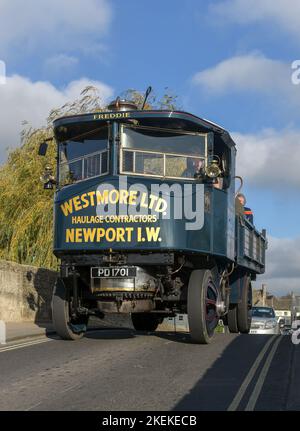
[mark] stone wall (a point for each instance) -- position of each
(25, 292)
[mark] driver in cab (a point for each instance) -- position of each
(193, 167)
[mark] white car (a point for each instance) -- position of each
(264, 321)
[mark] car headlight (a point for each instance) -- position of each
(270, 324)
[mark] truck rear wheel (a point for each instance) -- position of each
(144, 321)
(244, 308)
(202, 306)
(232, 319)
(65, 326)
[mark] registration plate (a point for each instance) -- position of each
(113, 272)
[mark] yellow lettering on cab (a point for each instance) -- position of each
(67, 207)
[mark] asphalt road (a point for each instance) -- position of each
(120, 369)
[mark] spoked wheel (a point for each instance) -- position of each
(244, 308)
(65, 326)
(202, 306)
(145, 321)
(232, 319)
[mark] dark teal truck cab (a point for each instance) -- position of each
(145, 223)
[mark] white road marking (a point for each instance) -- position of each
(70, 388)
(38, 341)
(237, 399)
(32, 407)
(262, 377)
(23, 345)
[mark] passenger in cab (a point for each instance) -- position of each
(241, 209)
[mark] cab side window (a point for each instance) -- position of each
(223, 154)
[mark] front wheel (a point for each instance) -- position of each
(145, 321)
(202, 306)
(65, 326)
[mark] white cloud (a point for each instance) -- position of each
(270, 158)
(282, 13)
(283, 259)
(282, 266)
(23, 99)
(60, 62)
(48, 24)
(250, 73)
(2, 72)
(273, 155)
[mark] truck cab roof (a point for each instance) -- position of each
(177, 120)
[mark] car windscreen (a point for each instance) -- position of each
(263, 312)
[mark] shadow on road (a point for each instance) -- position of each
(110, 333)
(219, 385)
(115, 332)
(176, 337)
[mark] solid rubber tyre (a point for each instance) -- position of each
(244, 308)
(66, 328)
(232, 319)
(201, 306)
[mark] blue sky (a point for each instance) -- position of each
(227, 60)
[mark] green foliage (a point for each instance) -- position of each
(168, 101)
(26, 209)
